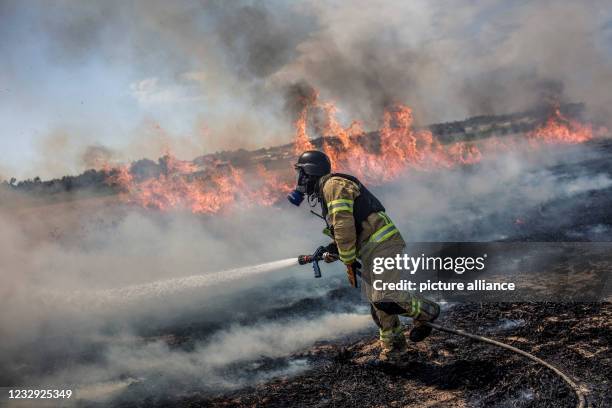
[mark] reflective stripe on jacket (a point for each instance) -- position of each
(339, 194)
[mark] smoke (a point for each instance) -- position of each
(299, 96)
(97, 156)
(227, 347)
(549, 191)
(451, 60)
(3, 176)
(260, 38)
(55, 258)
(52, 273)
(250, 67)
(68, 248)
(229, 66)
(208, 364)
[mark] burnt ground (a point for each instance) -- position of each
(451, 371)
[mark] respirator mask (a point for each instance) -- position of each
(301, 189)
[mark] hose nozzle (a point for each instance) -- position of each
(314, 259)
(304, 259)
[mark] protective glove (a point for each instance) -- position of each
(352, 271)
(329, 257)
(331, 253)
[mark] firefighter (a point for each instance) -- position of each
(361, 230)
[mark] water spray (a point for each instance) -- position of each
(169, 286)
(166, 287)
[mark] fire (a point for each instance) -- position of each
(559, 129)
(302, 141)
(380, 157)
(401, 146)
(183, 186)
(175, 165)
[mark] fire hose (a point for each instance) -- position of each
(579, 394)
(318, 255)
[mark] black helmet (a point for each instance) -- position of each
(314, 163)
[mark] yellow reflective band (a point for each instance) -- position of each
(340, 205)
(343, 207)
(390, 334)
(347, 261)
(347, 256)
(385, 217)
(347, 252)
(415, 308)
(385, 334)
(340, 200)
(384, 233)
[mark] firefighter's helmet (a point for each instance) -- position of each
(314, 163)
(310, 167)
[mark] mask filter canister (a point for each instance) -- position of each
(296, 197)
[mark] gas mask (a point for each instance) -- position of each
(304, 186)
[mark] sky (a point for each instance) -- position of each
(137, 78)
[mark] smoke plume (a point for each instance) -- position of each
(232, 64)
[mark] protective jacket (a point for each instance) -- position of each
(361, 229)
(355, 215)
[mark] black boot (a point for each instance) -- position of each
(428, 313)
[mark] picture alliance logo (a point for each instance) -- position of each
(414, 264)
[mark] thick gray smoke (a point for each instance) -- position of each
(448, 60)
(454, 59)
(493, 200)
(60, 264)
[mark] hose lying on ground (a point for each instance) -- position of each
(579, 394)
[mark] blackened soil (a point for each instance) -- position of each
(450, 371)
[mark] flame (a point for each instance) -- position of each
(559, 129)
(219, 187)
(175, 165)
(401, 147)
(183, 186)
(302, 141)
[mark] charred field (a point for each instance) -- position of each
(447, 371)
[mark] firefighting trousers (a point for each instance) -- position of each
(387, 305)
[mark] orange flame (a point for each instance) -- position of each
(559, 129)
(220, 187)
(205, 192)
(401, 146)
(302, 141)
